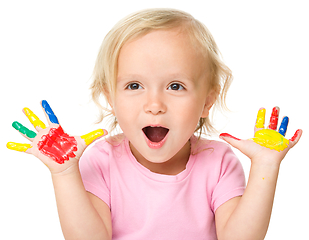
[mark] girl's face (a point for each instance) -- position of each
(161, 94)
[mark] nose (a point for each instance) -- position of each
(155, 103)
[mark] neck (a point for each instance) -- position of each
(173, 166)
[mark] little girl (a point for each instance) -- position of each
(161, 73)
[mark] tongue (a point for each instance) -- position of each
(155, 134)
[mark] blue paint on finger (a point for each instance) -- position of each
(284, 126)
(49, 112)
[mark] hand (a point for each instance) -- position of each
(267, 144)
(56, 149)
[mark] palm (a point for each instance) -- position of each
(56, 149)
(269, 143)
(52, 164)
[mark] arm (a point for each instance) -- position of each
(248, 217)
(81, 216)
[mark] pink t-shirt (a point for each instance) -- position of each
(147, 205)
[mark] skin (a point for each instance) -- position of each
(81, 214)
(147, 67)
(152, 64)
(248, 217)
(155, 62)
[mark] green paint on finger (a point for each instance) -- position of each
(22, 129)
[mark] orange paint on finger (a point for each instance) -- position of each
(35, 121)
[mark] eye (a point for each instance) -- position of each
(176, 87)
(133, 86)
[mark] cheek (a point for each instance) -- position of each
(120, 106)
(125, 112)
(191, 109)
(188, 116)
(190, 122)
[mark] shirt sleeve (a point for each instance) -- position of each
(231, 182)
(94, 169)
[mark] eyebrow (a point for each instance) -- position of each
(174, 76)
(127, 77)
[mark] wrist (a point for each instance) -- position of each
(70, 170)
(266, 170)
(266, 161)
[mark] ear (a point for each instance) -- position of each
(209, 102)
(109, 99)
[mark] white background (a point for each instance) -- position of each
(48, 49)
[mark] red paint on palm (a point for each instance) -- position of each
(274, 119)
(58, 145)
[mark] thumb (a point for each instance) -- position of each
(247, 147)
(94, 135)
(235, 142)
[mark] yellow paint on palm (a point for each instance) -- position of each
(260, 119)
(90, 137)
(36, 122)
(21, 147)
(270, 139)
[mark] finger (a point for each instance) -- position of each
(226, 135)
(49, 112)
(24, 131)
(21, 147)
(295, 137)
(284, 126)
(233, 141)
(94, 135)
(35, 121)
(273, 122)
(260, 119)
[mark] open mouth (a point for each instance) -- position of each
(155, 134)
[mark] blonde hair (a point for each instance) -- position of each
(141, 23)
